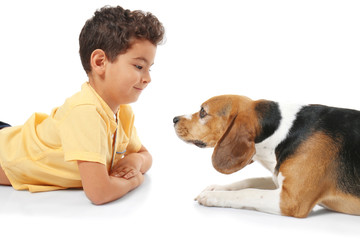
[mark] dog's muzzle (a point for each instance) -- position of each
(198, 143)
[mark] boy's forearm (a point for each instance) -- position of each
(146, 161)
(120, 186)
(116, 188)
(101, 188)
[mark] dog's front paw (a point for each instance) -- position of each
(208, 198)
(215, 187)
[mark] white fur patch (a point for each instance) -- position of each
(278, 180)
(265, 151)
(188, 117)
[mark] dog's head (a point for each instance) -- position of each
(229, 124)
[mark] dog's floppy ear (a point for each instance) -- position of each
(235, 149)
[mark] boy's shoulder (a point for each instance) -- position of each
(87, 99)
(84, 99)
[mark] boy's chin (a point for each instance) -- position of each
(132, 99)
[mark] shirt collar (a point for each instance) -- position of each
(104, 105)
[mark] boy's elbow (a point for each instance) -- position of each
(98, 196)
(104, 194)
(96, 199)
(98, 202)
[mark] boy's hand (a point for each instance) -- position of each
(128, 167)
(126, 173)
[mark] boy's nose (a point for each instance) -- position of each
(146, 78)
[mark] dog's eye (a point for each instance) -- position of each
(203, 113)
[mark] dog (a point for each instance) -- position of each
(313, 152)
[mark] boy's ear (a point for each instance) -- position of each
(98, 61)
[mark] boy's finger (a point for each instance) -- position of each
(131, 174)
(119, 173)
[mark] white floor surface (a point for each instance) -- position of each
(162, 208)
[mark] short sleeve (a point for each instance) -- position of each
(83, 135)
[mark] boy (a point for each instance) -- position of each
(90, 141)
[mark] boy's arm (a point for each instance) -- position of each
(101, 188)
(132, 164)
(146, 159)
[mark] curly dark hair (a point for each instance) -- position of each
(113, 30)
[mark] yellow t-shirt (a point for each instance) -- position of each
(41, 154)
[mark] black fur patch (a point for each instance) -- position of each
(342, 125)
(269, 117)
(198, 143)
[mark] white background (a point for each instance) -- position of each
(292, 51)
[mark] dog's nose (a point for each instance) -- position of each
(176, 119)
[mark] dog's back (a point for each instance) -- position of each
(320, 156)
(340, 125)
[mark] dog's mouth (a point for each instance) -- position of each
(198, 143)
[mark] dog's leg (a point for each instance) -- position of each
(260, 183)
(261, 200)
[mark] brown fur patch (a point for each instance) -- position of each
(229, 124)
(341, 202)
(308, 175)
(220, 110)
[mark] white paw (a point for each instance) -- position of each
(210, 199)
(215, 187)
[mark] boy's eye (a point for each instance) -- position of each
(203, 113)
(139, 67)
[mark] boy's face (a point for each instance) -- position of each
(128, 75)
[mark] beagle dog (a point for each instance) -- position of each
(313, 152)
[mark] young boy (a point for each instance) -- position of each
(90, 141)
